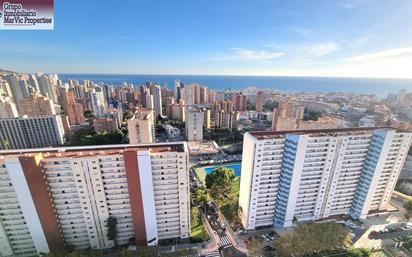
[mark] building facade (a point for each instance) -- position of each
(101, 125)
(7, 108)
(53, 197)
(194, 123)
(310, 175)
(141, 129)
(31, 132)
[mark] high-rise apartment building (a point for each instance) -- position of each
(309, 175)
(141, 128)
(48, 86)
(31, 132)
(177, 111)
(15, 90)
(7, 108)
(73, 109)
(97, 102)
(194, 123)
(283, 118)
(260, 101)
(37, 105)
(240, 102)
(194, 94)
(228, 120)
(104, 125)
(178, 90)
(157, 99)
(53, 197)
(206, 119)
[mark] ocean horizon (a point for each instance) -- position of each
(381, 87)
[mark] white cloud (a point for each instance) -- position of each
(252, 55)
(320, 49)
(356, 42)
(384, 54)
(350, 4)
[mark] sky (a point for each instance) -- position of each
(344, 38)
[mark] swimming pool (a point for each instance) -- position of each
(235, 166)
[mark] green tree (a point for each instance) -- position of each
(255, 247)
(123, 253)
(5, 144)
(219, 182)
(359, 252)
(311, 115)
(308, 238)
(146, 252)
(270, 105)
(88, 114)
(112, 229)
(200, 197)
(408, 206)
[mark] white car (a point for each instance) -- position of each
(222, 225)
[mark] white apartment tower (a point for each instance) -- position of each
(141, 129)
(194, 123)
(31, 132)
(311, 175)
(53, 197)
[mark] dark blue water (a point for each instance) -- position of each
(379, 87)
(236, 167)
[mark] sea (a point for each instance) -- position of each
(377, 86)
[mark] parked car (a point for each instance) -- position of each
(243, 232)
(222, 225)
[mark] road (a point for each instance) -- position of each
(222, 236)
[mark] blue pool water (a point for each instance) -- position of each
(234, 166)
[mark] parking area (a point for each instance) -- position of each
(265, 236)
(381, 236)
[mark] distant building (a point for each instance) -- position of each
(37, 105)
(31, 132)
(260, 101)
(194, 123)
(206, 119)
(194, 94)
(178, 90)
(157, 99)
(283, 118)
(141, 129)
(172, 132)
(202, 151)
(169, 102)
(72, 108)
(367, 121)
(323, 122)
(240, 102)
(228, 120)
(17, 92)
(149, 102)
(97, 102)
(178, 111)
(116, 115)
(7, 108)
(104, 125)
(299, 112)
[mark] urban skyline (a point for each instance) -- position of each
(290, 134)
(337, 38)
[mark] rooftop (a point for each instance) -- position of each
(204, 147)
(318, 132)
(78, 151)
